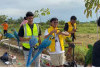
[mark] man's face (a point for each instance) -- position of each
(54, 23)
(30, 19)
(73, 21)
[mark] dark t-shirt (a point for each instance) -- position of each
(21, 33)
(96, 54)
(66, 27)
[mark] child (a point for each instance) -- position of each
(5, 27)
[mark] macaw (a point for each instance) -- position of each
(45, 43)
(88, 57)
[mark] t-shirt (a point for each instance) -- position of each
(96, 54)
(21, 33)
(66, 27)
(57, 44)
(5, 26)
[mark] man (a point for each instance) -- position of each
(96, 51)
(71, 28)
(56, 49)
(25, 33)
(5, 27)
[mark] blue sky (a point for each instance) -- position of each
(62, 9)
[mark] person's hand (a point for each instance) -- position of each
(54, 31)
(59, 33)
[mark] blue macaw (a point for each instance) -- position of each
(32, 43)
(9, 35)
(16, 35)
(45, 43)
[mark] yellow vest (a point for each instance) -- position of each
(70, 28)
(28, 33)
(52, 46)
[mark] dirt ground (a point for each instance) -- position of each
(84, 38)
(19, 57)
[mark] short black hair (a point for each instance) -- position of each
(25, 18)
(53, 19)
(29, 14)
(73, 18)
(98, 22)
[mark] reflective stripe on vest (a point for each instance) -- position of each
(28, 33)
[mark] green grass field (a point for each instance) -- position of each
(86, 34)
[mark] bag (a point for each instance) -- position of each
(4, 58)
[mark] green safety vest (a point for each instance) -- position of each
(28, 33)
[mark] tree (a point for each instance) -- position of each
(3, 18)
(77, 22)
(41, 12)
(62, 22)
(11, 21)
(48, 22)
(19, 20)
(91, 5)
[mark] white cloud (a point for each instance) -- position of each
(58, 8)
(11, 12)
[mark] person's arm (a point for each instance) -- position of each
(54, 31)
(63, 33)
(74, 27)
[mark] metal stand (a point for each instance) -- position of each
(73, 63)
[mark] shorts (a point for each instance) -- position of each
(57, 59)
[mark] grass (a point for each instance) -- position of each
(86, 33)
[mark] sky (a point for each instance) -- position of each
(61, 9)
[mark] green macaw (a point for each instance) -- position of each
(88, 57)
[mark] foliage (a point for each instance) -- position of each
(91, 5)
(3, 18)
(19, 20)
(77, 22)
(42, 12)
(62, 22)
(48, 22)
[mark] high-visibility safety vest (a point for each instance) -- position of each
(52, 46)
(70, 28)
(28, 33)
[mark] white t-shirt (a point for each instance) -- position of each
(57, 44)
